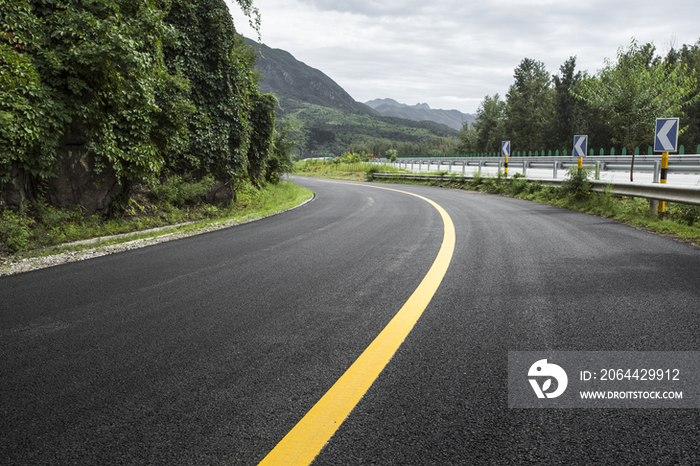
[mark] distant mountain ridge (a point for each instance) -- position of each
(332, 121)
(421, 112)
(291, 80)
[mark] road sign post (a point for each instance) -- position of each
(580, 148)
(505, 152)
(665, 141)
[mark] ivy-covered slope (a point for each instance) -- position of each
(128, 90)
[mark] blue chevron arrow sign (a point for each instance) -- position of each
(580, 146)
(666, 135)
(505, 149)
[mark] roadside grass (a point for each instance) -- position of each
(173, 206)
(681, 221)
(340, 170)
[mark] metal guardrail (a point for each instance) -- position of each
(687, 164)
(653, 191)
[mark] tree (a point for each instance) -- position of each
(635, 90)
(468, 139)
(489, 124)
(290, 135)
(690, 56)
(566, 106)
(574, 116)
(530, 105)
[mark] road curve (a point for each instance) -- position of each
(208, 350)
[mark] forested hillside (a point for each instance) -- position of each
(327, 121)
(98, 95)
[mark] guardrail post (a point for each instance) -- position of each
(654, 203)
(464, 167)
(554, 172)
(664, 175)
(653, 207)
(525, 166)
(657, 171)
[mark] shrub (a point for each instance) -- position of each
(687, 214)
(178, 192)
(371, 171)
(15, 231)
(477, 179)
(577, 183)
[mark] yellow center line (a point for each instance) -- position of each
(305, 441)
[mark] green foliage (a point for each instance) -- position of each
(285, 140)
(15, 231)
(690, 57)
(392, 154)
(44, 226)
(354, 157)
(518, 184)
(530, 104)
(331, 132)
(336, 168)
(635, 90)
(683, 213)
(178, 191)
(577, 183)
(371, 171)
(31, 121)
(616, 107)
(104, 62)
(476, 180)
(487, 132)
(139, 84)
(262, 120)
(207, 52)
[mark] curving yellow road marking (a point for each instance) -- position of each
(305, 441)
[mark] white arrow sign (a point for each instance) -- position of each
(505, 148)
(580, 146)
(666, 139)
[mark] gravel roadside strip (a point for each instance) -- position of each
(11, 266)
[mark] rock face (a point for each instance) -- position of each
(14, 193)
(76, 183)
(79, 184)
(221, 194)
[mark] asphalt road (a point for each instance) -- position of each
(209, 349)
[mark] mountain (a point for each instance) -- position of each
(421, 112)
(332, 120)
(293, 81)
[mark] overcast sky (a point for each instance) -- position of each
(451, 53)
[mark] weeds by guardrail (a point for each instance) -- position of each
(657, 192)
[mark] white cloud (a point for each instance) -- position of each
(451, 53)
